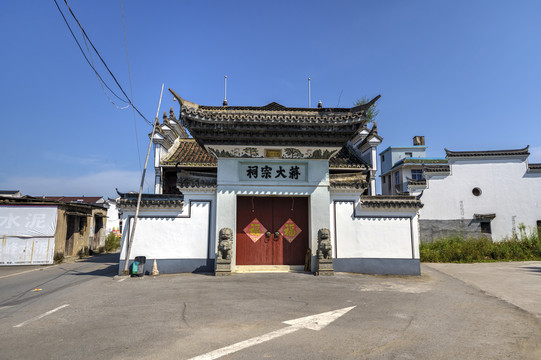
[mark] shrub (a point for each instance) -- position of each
(58, 257)
(522, 247)
(112, 242)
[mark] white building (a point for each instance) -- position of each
(487, 193)
(275, 176)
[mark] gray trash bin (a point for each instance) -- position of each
(138, 266)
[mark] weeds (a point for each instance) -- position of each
(523, 246)
(112, 242)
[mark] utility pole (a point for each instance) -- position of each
(130, 242)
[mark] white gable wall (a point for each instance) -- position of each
(508, 191)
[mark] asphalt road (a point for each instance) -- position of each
(99, 316)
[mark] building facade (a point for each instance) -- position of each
(276, 182)
(39, 231)
(472, 193)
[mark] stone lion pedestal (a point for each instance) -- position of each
(324, 253)
(223, 256)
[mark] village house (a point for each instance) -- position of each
(269, 188)
(40, 230)
(471, 193)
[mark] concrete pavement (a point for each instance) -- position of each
(518, 283)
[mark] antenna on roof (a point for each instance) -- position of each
(309, 100)
(225, 91)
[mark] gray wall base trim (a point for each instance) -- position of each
(174, 266)
(378, 266)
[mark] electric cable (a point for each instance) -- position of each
(104, 63)
(86, 58)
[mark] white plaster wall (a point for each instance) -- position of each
(374, 234)
(113, 221)
(507, 190)
(171, 234)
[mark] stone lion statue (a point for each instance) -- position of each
(324, 250)
(225, 244)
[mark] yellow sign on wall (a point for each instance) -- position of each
(273, 153)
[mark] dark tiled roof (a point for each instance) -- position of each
(399, 201)
(412, 182)
(436, 169)
(129, 200)
(420, 161)
(355, 181)
(346, 159)
(272, 124)
(484, 216)
(189, 153)
(534, 167)
(486, 153)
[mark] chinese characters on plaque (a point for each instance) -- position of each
(273, 171)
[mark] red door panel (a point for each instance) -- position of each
(248, 251)
(272, 213)
(296, 209)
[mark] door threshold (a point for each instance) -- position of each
(269, 268)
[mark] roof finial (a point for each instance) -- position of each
(319, 104)
(225, 91)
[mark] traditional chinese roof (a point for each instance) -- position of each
(430, 169)
(348, 181)
(534, 167)
(484, 216)
(488, 153)
(78, 199)
(412, 182)
(397, 201)
(346, 159)
(31, 200)
(418, 161)
(129, 200)
(187, 152)
(272, 124)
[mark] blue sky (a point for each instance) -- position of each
(465, 74)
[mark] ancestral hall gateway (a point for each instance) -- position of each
(241, 188)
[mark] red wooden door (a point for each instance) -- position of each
(259, 216)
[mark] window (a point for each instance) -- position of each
(416, 174)
(485, 227)
(476, 191)
(383, 179)
(382, 157)
(409, 154)
(397, 177)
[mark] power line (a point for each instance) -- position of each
(101, 84)
(86, 58)
(97, 53)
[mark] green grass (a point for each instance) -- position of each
(457, 249)
(112, 242)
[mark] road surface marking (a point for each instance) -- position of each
(313, 322)
(41, 316)
(22, 272)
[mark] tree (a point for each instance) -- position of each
(372, 111)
